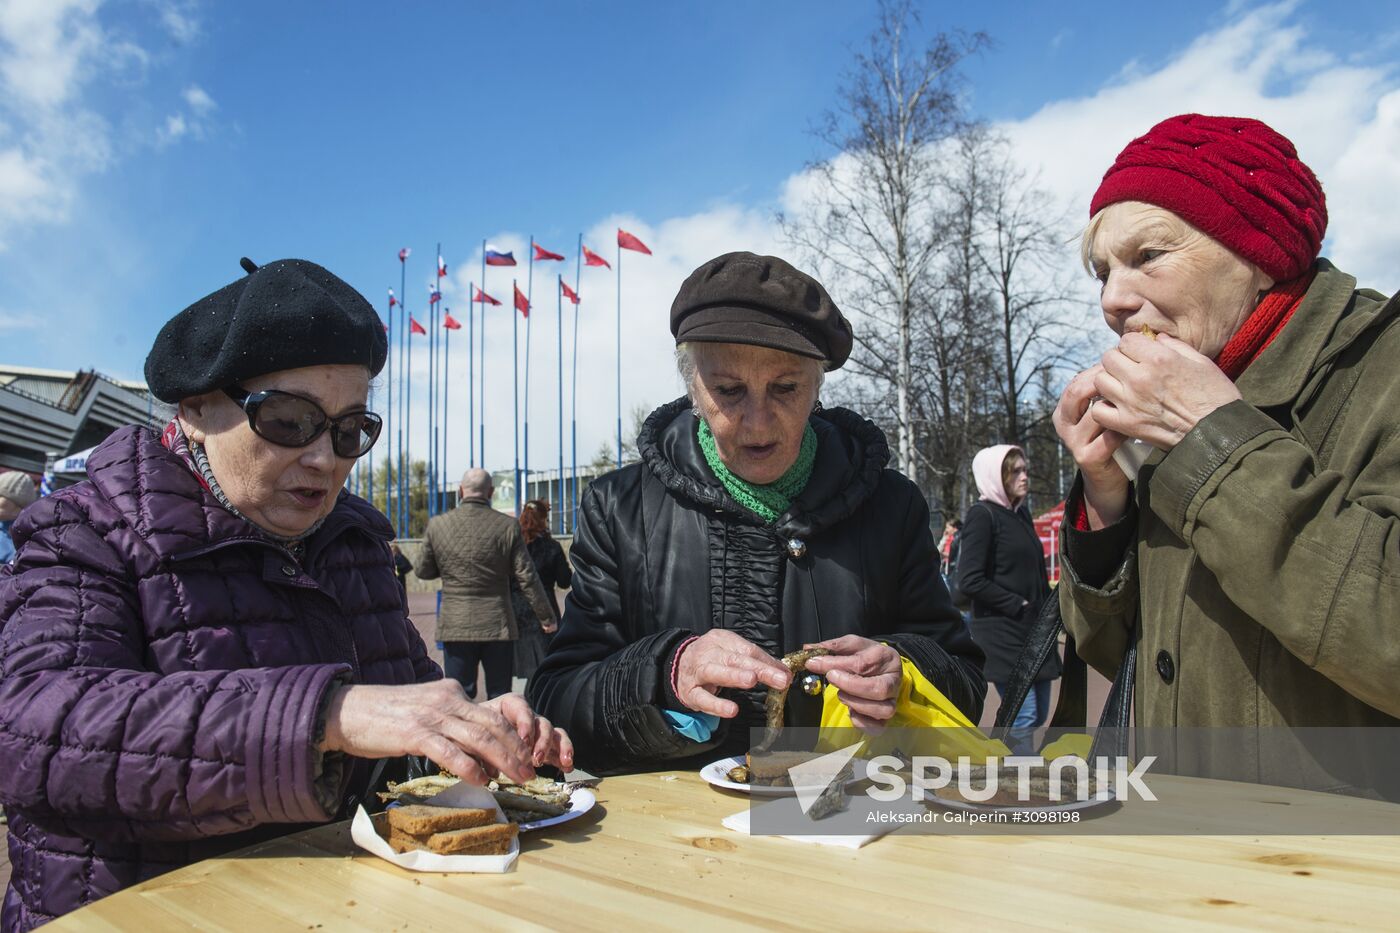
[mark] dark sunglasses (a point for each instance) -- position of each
(289, 420)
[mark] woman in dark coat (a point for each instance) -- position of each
(204, 644)
(1002, 568)
(755, 524)
(553, 569)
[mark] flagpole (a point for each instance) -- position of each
(390, 334)
(432, 387)
(405, 385)
(559, 333)
(619, 356)
(446, 398)
(471, 375)
(438, 374)
(515, 384)
(481, 374)
(573, 392)
(529, 299)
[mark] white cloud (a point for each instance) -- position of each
(174, 128)
(51, 51)
(193, 123)
(48, 48)
(179, 20)
(199, 100)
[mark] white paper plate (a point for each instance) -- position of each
(580, 802)
(714, 775)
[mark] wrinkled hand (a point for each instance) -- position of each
(550, 745)
(1092, 446)
(866, 675)
(1158, 389)
(473, 741)
(718, 659)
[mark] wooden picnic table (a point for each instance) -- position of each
(653, 854)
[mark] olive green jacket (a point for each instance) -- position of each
(477, 550)
(1265, 576)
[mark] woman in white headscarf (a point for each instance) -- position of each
(1002, 568)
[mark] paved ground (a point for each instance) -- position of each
(422, 607)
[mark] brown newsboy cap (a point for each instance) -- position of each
(762, 301)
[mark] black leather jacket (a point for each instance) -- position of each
(663, 552)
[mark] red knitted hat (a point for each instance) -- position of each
(1235, 179)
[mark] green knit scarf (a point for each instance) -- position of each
(773, 499)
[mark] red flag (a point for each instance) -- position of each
(591, 258)
(541, 254)
(434, 296)
(392, 300)
(569, 293)
(414, 327)
(403, 253)
(385, 326)
(628, 241)
(482, 298)
(521, 304)
(442, 267)
(450, 322)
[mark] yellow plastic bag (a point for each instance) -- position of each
(944, 731)
(950, 734)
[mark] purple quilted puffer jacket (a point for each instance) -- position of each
(162, 670)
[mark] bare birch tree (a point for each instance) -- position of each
(1020, 245)
(872, 226)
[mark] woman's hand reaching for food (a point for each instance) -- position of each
(475, 741)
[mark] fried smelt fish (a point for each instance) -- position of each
(530, 804)
(423, 787)
(776, 701)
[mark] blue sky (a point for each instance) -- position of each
(146, 144)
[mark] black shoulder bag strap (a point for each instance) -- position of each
(1111, 737)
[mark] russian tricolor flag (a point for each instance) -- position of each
(496, 257)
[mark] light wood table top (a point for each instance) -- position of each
(653, 854)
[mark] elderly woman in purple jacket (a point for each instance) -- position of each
(204, 644)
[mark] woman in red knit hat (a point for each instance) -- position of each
(1236, 518)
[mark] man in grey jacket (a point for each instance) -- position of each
(477, 550)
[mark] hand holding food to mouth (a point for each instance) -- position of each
(720, 659)
(866, 674)
(1157, 389)
(1092, 446)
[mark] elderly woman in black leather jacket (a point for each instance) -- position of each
(756, 523)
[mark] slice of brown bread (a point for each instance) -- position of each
(401, 842)
(420, 820)
(478, 840)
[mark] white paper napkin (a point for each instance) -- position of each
(788, 809)
(459, 795)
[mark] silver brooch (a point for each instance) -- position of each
(796, 547)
